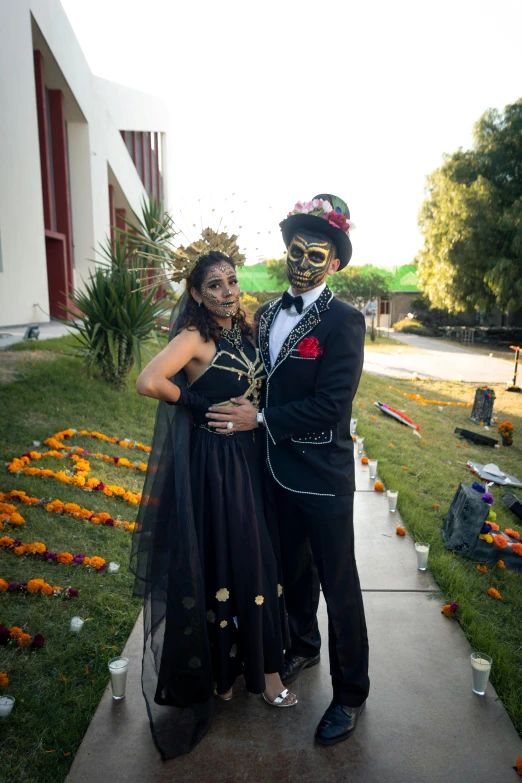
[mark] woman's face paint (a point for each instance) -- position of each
(220, 290)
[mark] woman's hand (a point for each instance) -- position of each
(243, 416)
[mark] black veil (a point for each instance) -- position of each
(177, 679)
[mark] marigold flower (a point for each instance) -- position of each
(35, 585)
(23, 640)
(364, 460)
(97, 562)
(15, 632)
(378, 486)
(501, 564)
(37, 548)
(46, 589)
(517, 549)
(400, 531)
(436, 505)
(510, 532)
(3, 585)
(494, 526)
(500, 542)
(494, 593)
(65, 558)
(6, 541)
(4, 680)
(518, 765)
(20, 550)
(482, 568)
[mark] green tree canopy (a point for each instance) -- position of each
(358, 285)
(471, 220)
(276, 268)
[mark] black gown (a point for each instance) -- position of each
(237, 545)
(206, 558)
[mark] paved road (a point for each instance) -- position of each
(438, 360)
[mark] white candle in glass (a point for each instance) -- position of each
(372, 464)
(113, 567)
(422, 551)
(480, 669)
(118, 668)
(76, 624)
(392, 500)
(360, 445)
(6, 705)
(353, 426)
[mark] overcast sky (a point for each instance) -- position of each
(278, 101)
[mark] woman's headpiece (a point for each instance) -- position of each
(178, 261)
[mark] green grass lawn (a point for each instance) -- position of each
(57, 688)
(426, 472)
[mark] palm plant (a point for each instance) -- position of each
(114, 317)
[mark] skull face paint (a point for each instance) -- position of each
(308, 259)
(220, 291)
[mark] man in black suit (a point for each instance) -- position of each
(312, 346)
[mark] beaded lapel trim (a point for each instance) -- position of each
(305, 325)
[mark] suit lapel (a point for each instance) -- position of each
(303, 327)
(265, 322)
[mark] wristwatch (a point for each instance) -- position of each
(260, 418)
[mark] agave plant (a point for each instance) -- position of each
(114, 317)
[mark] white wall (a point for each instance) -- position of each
(95, 143)
(23, 282)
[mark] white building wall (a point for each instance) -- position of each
(94, 140)
(23, 279)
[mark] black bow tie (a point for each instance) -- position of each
(289, 300)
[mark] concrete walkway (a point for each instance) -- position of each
(422, 723)
(9, 335)
(438, 360)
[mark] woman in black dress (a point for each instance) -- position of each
(205, 553)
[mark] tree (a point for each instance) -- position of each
(276, 268)
(471, 220)
(358, 285)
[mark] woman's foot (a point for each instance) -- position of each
(223, 696)
(275, 692)
(285, 699)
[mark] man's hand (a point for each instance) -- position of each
(242, 415)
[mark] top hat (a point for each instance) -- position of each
(325, 214)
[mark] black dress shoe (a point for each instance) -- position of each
(294, 666)
(338, 723)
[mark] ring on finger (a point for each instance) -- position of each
(229, 425)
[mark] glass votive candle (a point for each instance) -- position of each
(76, 624)
(118, 668)
(480, 669)
(392, 500)
(372, 464)
(112, 568)
(353, 426)
(360, 445)
(422, 551)
(6, 705)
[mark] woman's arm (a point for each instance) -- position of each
(187, 346)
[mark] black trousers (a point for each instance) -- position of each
(317, 549)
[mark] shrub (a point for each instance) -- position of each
(410, 326)
(114, 317)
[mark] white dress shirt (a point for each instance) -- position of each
(284, 321)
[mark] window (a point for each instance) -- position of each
(384, 306)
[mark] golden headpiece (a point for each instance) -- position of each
(178, 261)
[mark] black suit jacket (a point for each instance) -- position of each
(309, 400)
